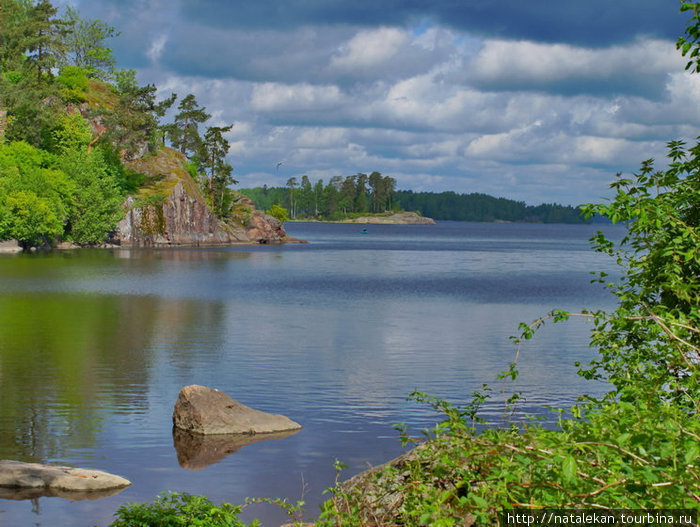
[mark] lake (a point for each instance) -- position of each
(335, 334)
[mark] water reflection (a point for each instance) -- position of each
(72, 495)
(68, 361)
(196, 451)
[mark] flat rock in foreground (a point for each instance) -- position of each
(205, 411)
(50, 480)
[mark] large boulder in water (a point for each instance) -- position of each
(202, 410)
(20, 480)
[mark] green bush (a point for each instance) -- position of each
(279, 212)
(179, 510)
(74, 82)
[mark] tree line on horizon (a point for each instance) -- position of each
(451, 206)
(341, 197)
(362, 194)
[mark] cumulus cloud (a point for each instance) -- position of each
(637, 68)
(369, 49)
(275, 97)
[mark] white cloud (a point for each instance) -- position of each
(155, 50)
(272, 96)
(370, 48)
(543, 63)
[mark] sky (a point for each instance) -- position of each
(533, 100)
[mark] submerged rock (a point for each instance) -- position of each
(30, 480)
(205, 411)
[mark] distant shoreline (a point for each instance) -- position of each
(397, 218)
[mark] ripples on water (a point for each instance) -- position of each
(334, 334)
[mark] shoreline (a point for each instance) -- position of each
(12, 247)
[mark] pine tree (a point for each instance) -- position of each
(133, 122)
(184, 134)
(219, 171)
(44, 38)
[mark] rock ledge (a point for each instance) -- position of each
(52, 480)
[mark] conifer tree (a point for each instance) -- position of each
(133, 123)
(215, 148)
(44, 38)
(184, 134)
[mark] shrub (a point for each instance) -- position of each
(178, 510)
(279, 212)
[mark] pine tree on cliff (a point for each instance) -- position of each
(132, 124)
(216, 146)
(184, 132)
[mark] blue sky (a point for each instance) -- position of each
(533, 100)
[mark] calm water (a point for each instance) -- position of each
(95, 345)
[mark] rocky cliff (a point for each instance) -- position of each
(170, 210)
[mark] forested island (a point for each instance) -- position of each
(361, 194)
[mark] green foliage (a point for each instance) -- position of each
(178, 510)
(85, 43)
(30, 219)
(133, 123)
(125, 81)
(650, 346)
(34, 196)
(279, 212)
(75, 194)
(96, 202)
(74, 80)
(71, 133)
(636, 448)
(193, 168)
(219, 172)
(32, 108)
(43, 39)
(361, 194)
(127, 180)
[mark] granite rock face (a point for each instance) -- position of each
(50, 480)
(171, 211)
(205, 411)
(179, 220)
